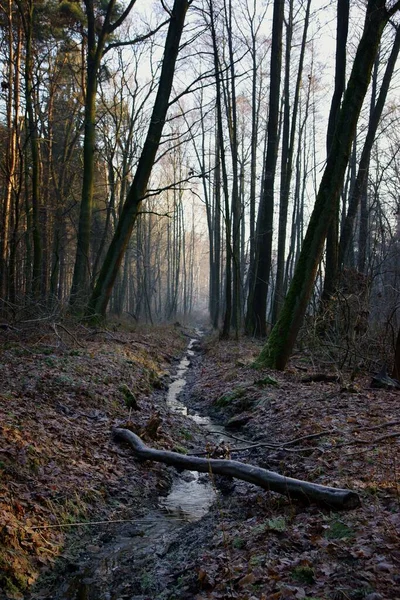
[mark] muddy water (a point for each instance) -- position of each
(140, 545)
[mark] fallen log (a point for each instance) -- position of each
(335, 498)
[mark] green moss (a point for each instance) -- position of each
(238, 543)
(129, 396)
(304, 574)
(257, 560)
(229, 397)
(339, 531)
(277, 524)
(266, 381)
(187, 435)
(179, 449)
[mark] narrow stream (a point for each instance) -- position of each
(189, 499)
(192, 494)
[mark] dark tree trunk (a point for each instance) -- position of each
(332, 240)
(277, 351)
(102, 291)
(257, 300)
(288, 143)
(363, 167)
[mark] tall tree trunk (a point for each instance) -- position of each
(332, 240)
(13, 104)
(257, 299)
(96, 41)
(80, 281)
(102, 291)
(299, 192)
(225, 331)
(27, 13)
(231, 113)
(288, 143)
(283, 336)
(363, 167)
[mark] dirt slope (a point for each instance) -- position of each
(62, 389)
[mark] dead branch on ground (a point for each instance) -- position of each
(311, 492)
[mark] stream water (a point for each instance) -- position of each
(191, 494)
(189, 499)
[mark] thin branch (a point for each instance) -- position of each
(87, 523)
(137, 40)
(112, 27)
(66, 331)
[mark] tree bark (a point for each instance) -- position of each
(332, 240)
(96, 42)
(225, 332)
(103, 288)
(231, 115)
(278, 349)
(363, 167)
(257, 300)
(27, 16)
(288, 144)
(335, 498)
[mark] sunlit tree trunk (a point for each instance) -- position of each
(11, 159)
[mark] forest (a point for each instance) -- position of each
(161, 162)
(199, 267)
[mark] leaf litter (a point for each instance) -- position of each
(59, 466)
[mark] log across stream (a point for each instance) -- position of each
(335, 498)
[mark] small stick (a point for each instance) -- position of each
(85, 523)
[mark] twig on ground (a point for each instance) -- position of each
(311, 436)
(373, 427)
(373, 442)
(68, 332)
(86, 523)
(280, 446)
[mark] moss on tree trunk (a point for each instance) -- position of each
(280, 344)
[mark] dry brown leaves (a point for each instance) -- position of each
(60, 395)
(341, 434)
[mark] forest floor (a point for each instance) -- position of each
(80, 516)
